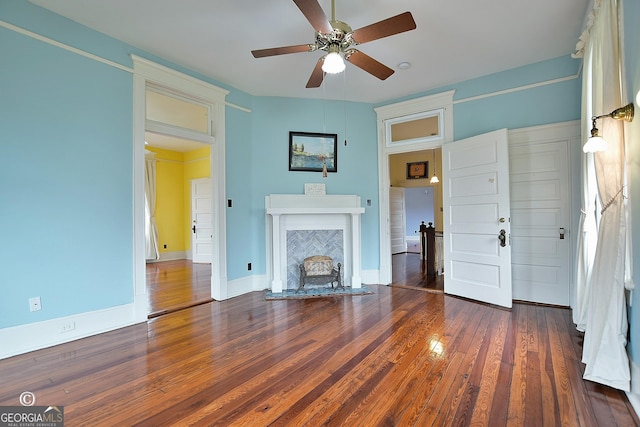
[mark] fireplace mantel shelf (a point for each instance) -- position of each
(282, 209)
(314, 211)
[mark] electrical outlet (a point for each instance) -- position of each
(69, 326)
(249, 266)
(35, 304)
(165, 246)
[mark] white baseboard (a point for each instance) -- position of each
(370, 277)
(171, 256)
(634, 394)
(34, 336)
(247, 284)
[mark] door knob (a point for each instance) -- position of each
(194, 229)
(503, 238)
(562, 233)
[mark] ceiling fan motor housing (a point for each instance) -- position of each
(340, 36)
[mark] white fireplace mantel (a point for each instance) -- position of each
(296, 211)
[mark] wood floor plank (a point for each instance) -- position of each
(462, 396)
(550, 414)
(491, 368)
(566, 403)
(517, 395)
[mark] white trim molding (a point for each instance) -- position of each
(64, 46)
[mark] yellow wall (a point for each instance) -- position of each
(174, 172)
(398, 176)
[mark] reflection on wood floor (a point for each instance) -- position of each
(175, 285)
(409, 270)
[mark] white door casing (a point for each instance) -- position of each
(398, 220)
(476, 211)
(147, 72)
(201, 220)
(385, 114)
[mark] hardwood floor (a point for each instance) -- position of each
(408, 270)
(174, 285)
(399, 357)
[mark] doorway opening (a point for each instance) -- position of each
(415, 200)
(179, 276)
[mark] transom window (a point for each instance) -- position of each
(420, 127)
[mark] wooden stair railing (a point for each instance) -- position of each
(427, 247)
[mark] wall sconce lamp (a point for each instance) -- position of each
(595, 141)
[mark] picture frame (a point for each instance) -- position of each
(417, 170)
(309, 151)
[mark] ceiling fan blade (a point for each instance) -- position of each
(317, 75)
(315, 15)
(368, 64)
(261, 53)
(385, 28)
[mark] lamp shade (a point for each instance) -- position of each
(594, 144)
(333, 63)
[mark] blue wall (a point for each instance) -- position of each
(65, 182)
(66, 160)
(632, 58)
(418, 207)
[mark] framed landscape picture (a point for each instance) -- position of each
(309, 151)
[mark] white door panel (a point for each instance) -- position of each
(398, 220)
(476, 206)
(201, 220)
(539, 210)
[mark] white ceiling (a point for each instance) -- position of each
(455, 40)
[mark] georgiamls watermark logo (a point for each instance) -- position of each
(30, 415)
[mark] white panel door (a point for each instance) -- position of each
(539, 222)
(397, 220)
(201, 220)
(477, 252)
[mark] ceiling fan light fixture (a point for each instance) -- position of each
(333, 63)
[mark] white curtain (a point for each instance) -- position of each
(151, 230)
(600, 294)
(587, 228)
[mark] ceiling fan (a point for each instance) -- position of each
(335, 37)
